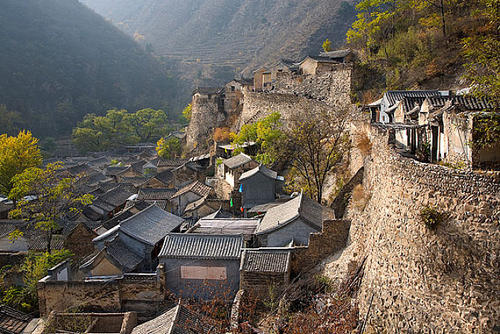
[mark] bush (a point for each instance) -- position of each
(431, 217)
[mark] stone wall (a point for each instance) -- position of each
(423, 280)
(142, 293)
(333, 87)
(204, 119)
(330, 240)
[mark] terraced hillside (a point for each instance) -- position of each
(239, 34)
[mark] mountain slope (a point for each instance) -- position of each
(60, 61)
(239, 34)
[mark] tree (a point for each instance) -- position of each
(319, 144)
(34, 268)
(188, 112)
(327, 45)
(51, 197)
(168, 149)
(16, 155)
(482, 50)
(10, 121)
(119, 127)
(268, 135)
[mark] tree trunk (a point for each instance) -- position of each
(49, 241)
(443, 18)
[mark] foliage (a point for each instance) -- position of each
(222, 134)
(60, 61)
(52, 195)
(268, 135)
(486, 131)
(412, 41)
(319, 144)
(219, 161)
(327, 45)
(482, 50)
(16, 155)
(34, 268)
(168, 149)
(431, 217)
(119, 127)
(187, 112)
(10, 121)
(424, 152)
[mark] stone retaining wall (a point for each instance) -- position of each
(424, 280)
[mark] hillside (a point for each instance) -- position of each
(212, 39)
(60, 61)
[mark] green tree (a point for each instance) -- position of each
(147, 124)
(327, 45)
(34, 268)
(188, 112)
(16, 155)
(51, 196)
(119, 127)
(267, 133)
(10, 121)
(168, 149)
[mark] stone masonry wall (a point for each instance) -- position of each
(422, 280)
(204, 119)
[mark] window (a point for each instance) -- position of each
(197, 272)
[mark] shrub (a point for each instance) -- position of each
(431, 217)
(364, 144)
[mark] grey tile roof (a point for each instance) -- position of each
(6, 229)
(195, 205)
(118, 196)
(121, 254)
(262, 260)
(411, 102)
(195, 187)
(177, 245)
(336, 54)
(171, 163)
(178, 320)
(112, 171)
(300, 206)
(237, 161)
(261, 169)
(136, 181)
(218, 214)
(155, 194)
(226, 226)
(150, 225)
(12, 321)
(321, 59)
(467, 102)
(394, 96)
(207, 90)
(38, 243)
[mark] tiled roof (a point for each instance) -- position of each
(261, 169)
(226, 226)
(177, 245)
(237, 161)
(467, 102)
(195, 187)
(411, 102)
(262, 260)
(6, 229)
(135, 180)
(149, 226)
(300, 206)
(165, 177)
(118, 195)
(155, 194)
(207, 90)
(95, 179)
(111, 171)
(39, 243)
(120, 253)
(321, 59)
(397, 95)
(336, 54)
(218, 214)
(178, 320)
(82, 169)
(195, 205)
(171, 163)
(12, 321)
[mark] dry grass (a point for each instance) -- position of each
(363, 144)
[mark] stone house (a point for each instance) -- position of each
(265, 269)
(143, 234)
(203, 207)
(114, 259)
(245, 227)
(111, 202)
(450, 124)
(259, 186)
(202, 266)
(164, 164)
(292, 222)
(231, 169)
(383, 110)
(189, 194)
(316, 65)
(258, 79)
(159, 196)
(339, 56)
